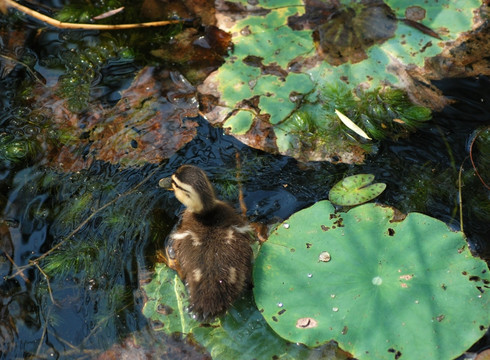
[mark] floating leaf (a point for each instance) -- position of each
(351, 125)
(392, 289)
(167, 303)
(239, 123)
(355, 190)
(166, 307)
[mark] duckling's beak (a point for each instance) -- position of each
(166, 183)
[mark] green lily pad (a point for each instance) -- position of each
(166, 305)
(167, 302)
(355, 190)
(382, 288)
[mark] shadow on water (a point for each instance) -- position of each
(95, 280)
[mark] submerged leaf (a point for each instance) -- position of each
(148, 124)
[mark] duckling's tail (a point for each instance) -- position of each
(217, 289)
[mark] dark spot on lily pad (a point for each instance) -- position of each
(415, 13)
(397, 353)
(350, 31)
(164, 309)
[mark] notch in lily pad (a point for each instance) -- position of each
(355, 190)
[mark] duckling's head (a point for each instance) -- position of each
(192, 188)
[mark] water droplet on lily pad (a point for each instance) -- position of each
(355, 190)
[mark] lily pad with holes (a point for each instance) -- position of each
(355, 190)
(166, 307)
(392, 288)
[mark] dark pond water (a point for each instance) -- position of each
(95, 283)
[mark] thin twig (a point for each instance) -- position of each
(77, 229)
(16, 267)
(43, 335)
(25, 65)
(49, 284)
(243, 206)
(460, 197)
(66, 342)
(82, 224)
(63, 25)
(473, 163)
(98, 326)
(108, 13)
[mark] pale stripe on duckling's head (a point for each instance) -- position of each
(193, 189)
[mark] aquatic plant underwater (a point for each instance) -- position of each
(92, 120)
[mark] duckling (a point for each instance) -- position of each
(210, 247)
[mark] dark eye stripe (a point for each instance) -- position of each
(179, 187)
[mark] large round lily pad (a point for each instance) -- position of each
(382, 287)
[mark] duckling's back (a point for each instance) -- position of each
(214, 255)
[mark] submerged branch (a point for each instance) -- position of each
(460, 196)
(4, 4)
(473, 162)
(29, 70)
(243, 206)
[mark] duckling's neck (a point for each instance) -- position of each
(221, 215)
(196, 206)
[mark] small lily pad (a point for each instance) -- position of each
(355, 190)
